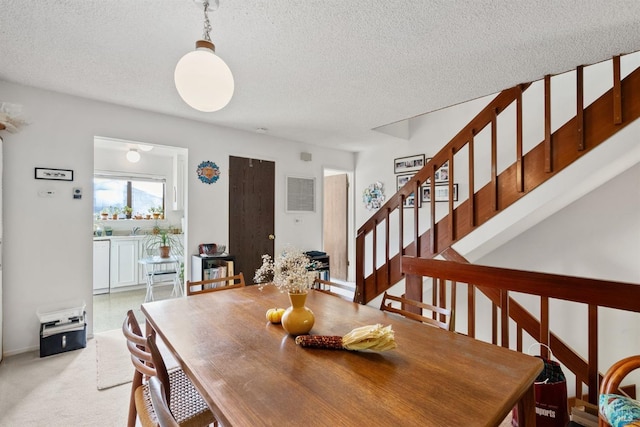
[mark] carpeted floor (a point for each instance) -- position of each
(59, 390)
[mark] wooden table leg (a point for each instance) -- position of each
(527, 409)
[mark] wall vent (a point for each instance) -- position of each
(301, 194)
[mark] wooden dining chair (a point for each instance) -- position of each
(325, 286)
(614, 405)
(163, 413)
(440, 317)
(217, 284)
(184, 400)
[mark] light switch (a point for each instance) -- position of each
(47, 193)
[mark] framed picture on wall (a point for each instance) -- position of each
(408, 164)
(401, 180)
(441, 193)
(442, 174)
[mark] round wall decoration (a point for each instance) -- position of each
(208, 172)
(373, 196)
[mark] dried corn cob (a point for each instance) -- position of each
(329, 342)
(370, 337)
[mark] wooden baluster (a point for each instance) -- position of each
(386, 243)
(519, 153)
(416, 214)
(454, 303)
(518, 337)
(617, 91)
(504, 317)
(432, 209)
(494, 159)
(471, 310)
(374, 244)
(452, 222)
(360, 292)
(578, 388)
(593, 354)
(442, 301)
(494, 324)
(472, 198)
(401, 228)
(580, 107)
(544, 326)
(547, 124)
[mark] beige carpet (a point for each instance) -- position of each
(59, 391)
(113, 360)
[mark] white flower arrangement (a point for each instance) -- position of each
(373, 196)
(289, 272)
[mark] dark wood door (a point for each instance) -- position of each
(251, 212)
(335, 224)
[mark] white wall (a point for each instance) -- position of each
(47, 245)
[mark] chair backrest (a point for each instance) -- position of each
(324, 286)
(440, 317)
(137, 346)
(217, 284)
(160, 405)
(610, 386)
(161, 369)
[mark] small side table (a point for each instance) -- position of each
(161, 268)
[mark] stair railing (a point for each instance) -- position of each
(377, 269)
(498, 283)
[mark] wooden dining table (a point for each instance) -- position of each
(252, 373)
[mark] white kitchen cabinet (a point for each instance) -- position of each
(101, 266)
(124, 262)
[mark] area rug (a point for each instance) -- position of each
(113, 360)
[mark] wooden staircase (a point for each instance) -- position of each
(590, 127)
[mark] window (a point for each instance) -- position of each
(111, 192)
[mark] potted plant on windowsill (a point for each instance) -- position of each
(127, 212)
(115, 211)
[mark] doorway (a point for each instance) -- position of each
(337, 224)
(119, 244)
(251, 212)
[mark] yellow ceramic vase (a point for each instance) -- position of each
(298, 319)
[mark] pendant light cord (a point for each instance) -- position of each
(207, 24)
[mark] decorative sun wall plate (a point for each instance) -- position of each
(208, 172)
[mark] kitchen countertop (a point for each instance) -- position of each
(123, 237)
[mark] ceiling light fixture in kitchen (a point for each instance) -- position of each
(203, 80)
(133, 156)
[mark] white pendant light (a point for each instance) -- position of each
(133, 156)
(204, 81)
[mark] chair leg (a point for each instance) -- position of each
(133, 412)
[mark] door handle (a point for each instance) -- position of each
(272, 237)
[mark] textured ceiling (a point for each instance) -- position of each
(322, 72)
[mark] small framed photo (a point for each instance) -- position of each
(401, 180)
(54, 174)
(408, 164)
(410, 201)
(442, 174)
(442, 193)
